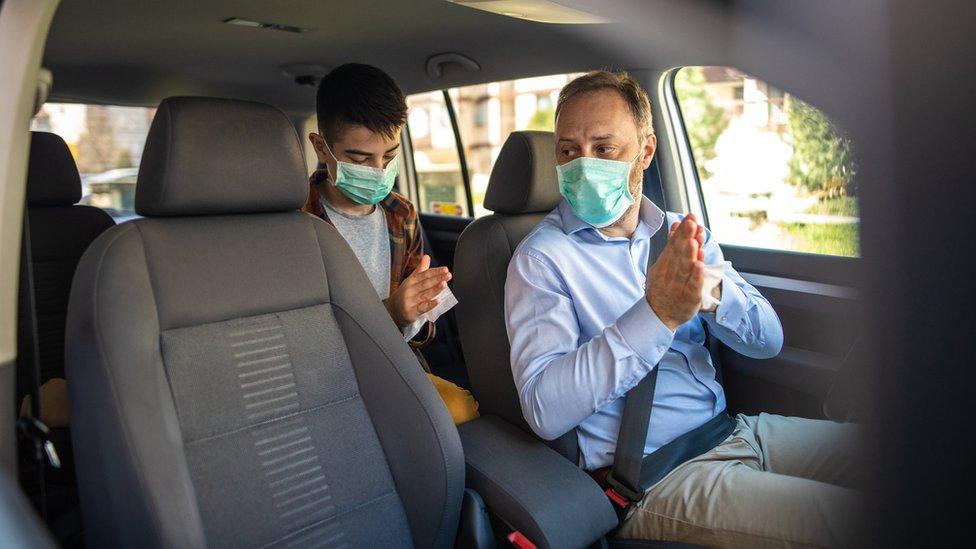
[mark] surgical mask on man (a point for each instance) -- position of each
(597, 189)
(364, 184)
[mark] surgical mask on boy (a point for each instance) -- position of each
(364, 184)
(597, 189)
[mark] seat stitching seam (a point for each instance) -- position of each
(273, 420)
(330, 518)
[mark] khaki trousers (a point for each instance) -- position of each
(775, 482)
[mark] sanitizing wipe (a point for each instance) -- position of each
(713, 275)
(445, 301)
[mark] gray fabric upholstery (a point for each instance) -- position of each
(237, 382)
(523, 179)
(53, 178)
(521, 185)
(550, 500)
(201, 151)
(60, 232)
(480, 269)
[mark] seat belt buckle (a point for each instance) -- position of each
(37, 432)
(617, 499)
(619, 491)
(517, 539)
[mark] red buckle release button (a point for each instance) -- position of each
(518, 540)
(616, 498)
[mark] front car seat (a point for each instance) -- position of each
(234, 379)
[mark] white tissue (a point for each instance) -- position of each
(445, 301)
(713, 276)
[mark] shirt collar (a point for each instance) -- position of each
(650, 219)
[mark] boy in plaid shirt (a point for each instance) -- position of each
(361, 112)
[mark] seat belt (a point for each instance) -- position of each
(30, 426)
(632, 473)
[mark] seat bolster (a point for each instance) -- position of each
(133, 479)
(414, 427)
(480, 269)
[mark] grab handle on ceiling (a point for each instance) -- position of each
(436, 63)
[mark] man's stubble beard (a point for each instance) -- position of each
(636, 186)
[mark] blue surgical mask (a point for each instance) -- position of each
(364, 184)
(597, 189)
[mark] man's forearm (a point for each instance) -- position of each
(557, 394)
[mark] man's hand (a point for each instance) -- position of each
(674, 282)
(417, 293)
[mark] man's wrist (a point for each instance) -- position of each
(668, 323)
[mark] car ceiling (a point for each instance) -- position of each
(124, 52)
(137, 53)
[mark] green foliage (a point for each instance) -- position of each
(704, 121)
(829, 239)
(543, 120)
(822, 160)
(839, 205)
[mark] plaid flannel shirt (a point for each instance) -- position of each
(406, 239)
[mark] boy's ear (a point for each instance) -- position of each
(318, 144)
(317, 141)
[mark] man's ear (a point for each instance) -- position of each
(650, 146)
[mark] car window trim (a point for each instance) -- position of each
(686, 157)
(465, 176)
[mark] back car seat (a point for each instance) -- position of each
(567, 508)
(59, 232)
(234, 378)
(522, 190)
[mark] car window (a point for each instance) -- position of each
(774, 171)
(106, 143)
(436, 159)
(486, 114)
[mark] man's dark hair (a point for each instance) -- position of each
(355, 93)
(620, 82)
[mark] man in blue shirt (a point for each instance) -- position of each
(588, 318)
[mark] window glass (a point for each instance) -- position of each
(486, 115)
(435, 156)
(774, 171)
(106, 143)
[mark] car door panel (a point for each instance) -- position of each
(442, 232)
(820, 313)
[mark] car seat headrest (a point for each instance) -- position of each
(52, 176)
(207, 156)
(524, 177)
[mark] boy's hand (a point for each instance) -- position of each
(417, 293)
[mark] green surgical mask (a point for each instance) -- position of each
(364, 184)
(597, 189)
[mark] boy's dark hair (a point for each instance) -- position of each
(355, 93)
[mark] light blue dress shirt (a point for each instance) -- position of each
(583, 334)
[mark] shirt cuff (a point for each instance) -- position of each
(733, 306)
(413, 328)
(644, 332)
